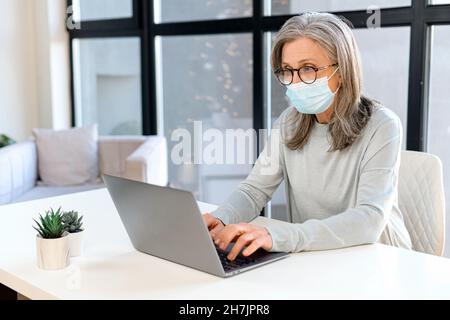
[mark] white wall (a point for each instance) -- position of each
(34, 64)
(18, 92)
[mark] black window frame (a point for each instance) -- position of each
(420, 16)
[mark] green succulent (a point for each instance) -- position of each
(71, 222)
(5, 141)
(50, 226)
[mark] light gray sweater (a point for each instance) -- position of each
(334, 199)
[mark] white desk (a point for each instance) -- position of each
(111, 269)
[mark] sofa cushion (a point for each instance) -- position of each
(68, 157)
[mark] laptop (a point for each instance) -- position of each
(168, 224)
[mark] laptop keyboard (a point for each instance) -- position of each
(239, 262)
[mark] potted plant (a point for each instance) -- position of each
(73, 225)
(5, 141)
(52, 243)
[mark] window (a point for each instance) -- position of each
(107, 78)
(439, 104)
(157, 66)
(190, 10)
(278, 7)
(89, 10)
(211, 84)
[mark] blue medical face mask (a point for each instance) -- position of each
(312, 98)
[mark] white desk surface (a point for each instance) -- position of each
(111, 269)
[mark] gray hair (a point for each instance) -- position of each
(352, 110)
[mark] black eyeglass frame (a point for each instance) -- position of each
(279, 70)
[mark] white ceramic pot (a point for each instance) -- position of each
(52, 254)
(76, 244)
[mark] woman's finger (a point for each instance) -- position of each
(253, 247)
(215, 230)
(241, 242)
(230, 233)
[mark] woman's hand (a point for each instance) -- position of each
(246, 236)
(214, 225)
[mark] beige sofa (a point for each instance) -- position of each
(141, 158)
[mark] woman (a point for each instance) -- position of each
(339, 153)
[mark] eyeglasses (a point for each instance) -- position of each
(307, 74)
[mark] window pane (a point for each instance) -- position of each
(107, 75)
(437, 2)
(439, 107)
(386, 68)
(275, 103)
(380, 82)
(211, 84)
(85, 10)
(276, 98)
(277, 7)
(189, 10)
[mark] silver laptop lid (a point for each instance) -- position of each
(165, 223)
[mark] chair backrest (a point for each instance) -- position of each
(422, 201)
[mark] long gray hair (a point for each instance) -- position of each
(352, 111)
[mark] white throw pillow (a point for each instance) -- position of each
(67, 157)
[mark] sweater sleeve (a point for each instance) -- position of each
(247, 201)
(376, 193)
